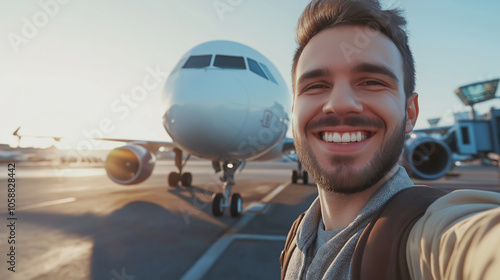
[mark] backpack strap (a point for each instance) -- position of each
(381, 249)
(290, 244)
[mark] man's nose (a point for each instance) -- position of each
(342, 100)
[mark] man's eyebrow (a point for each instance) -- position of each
(320, 72)
(375, 68)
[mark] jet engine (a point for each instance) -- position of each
(130, 164)
(426, 158)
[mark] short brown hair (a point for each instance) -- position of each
(322, 14)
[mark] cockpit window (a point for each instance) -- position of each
(198, 61)
(268, 73)
(232, 62)
(254, 67)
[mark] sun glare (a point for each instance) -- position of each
(56, 106)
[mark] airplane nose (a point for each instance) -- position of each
(206, 111)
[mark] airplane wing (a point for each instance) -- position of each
(152, 146)
(19, 136)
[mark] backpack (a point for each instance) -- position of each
(380, 252)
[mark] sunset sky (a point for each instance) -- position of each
(67, 65)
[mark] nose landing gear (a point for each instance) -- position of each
(221, 200)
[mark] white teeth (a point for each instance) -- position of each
(336, 137)
(347, 137)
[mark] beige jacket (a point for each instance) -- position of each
(457, 238)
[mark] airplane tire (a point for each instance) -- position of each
(173, 179)
(187, 179)
(295, 176)
(217, 209)
(236, 205)
(305, 177)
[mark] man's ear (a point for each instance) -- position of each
(411, 112)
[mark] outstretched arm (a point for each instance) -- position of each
(457, 238)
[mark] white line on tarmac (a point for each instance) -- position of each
(45, 204)
(274, 193)
(205, 262)
(259, 206)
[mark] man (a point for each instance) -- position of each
(353, 81)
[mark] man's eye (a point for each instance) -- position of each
(372, 83)
(316, 86)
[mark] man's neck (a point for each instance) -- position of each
(339, 210)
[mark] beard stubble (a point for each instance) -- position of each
(341, 177)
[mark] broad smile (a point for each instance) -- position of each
(343, 140)
(344, 137)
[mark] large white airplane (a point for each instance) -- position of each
(224, 102)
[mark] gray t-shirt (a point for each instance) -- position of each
(324, 235)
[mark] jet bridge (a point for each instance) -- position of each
(476, 137)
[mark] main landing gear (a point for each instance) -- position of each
(300, 174)
(175, 177)
(221, 200)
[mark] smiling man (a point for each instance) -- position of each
(354, 101)
(351, 113)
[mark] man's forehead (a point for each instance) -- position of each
(348, 46)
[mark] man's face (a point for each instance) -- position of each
(349, 109)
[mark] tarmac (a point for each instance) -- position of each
(73, 222)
